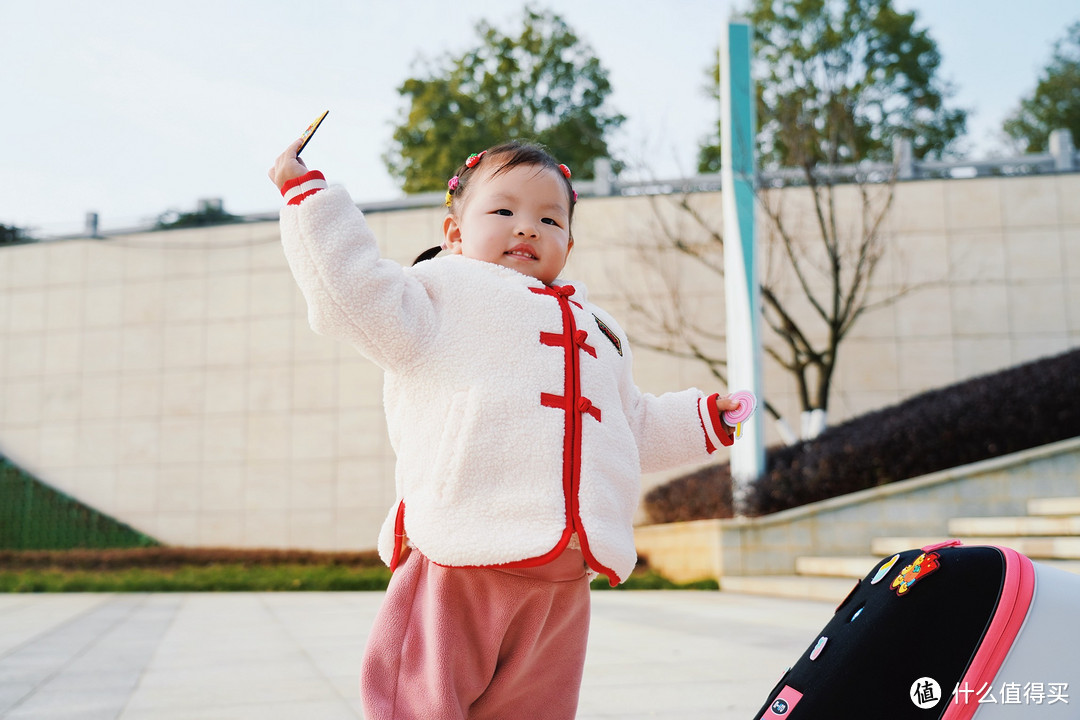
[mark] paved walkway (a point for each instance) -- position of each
(270, 656)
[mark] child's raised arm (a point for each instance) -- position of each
(352, 293)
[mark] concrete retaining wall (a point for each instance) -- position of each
(846, 525)
(170, 379)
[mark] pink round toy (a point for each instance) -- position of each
(747, 405)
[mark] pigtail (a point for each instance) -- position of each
(427, 254)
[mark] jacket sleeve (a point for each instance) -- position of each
(672, 429)
(352, 294)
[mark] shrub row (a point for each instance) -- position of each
(35, 516)
(232, 578)
(191, 578)
(175, 557)
(704, 493)
(988, 416)
(296, 572)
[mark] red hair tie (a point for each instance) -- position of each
(565, 171)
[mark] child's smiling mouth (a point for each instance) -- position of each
(522, 252)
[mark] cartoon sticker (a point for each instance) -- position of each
(884, 570)
(922, 566)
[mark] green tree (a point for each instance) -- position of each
(544, 85)
(9, 234)
(1055, 104)
(207, 215)
(838, 80)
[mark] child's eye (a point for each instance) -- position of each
(550, 221)
(504, 212)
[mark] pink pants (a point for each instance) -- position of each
(478, 643)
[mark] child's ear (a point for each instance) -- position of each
(452, 235)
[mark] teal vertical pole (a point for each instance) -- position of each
(742, 294)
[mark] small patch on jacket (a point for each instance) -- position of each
(609, 335)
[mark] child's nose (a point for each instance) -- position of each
(526, 229)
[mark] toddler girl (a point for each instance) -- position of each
(520, 435)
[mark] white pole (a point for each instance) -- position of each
(741, 289)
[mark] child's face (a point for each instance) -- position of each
(519, 219)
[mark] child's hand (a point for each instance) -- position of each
(723, 404)
(288, 165)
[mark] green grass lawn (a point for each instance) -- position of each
(236, 577)
(171, 569)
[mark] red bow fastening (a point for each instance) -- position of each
(565, 290)
(579, 339)
(584, 405)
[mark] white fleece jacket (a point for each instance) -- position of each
(511, 405)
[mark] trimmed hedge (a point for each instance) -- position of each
(34, 515)
(198, 578)
(988, 416)
(223, 570)
(175, 557)
(704, 493)
(180, 569)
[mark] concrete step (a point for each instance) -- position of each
(1041, 526)
(888, 546)
(1054, 506)
(1037, 548)
(857, 568)
(828, 589)
(844, 567)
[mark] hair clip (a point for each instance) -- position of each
(451, 186)
(575, 196)
(474, 158)
(565, 171)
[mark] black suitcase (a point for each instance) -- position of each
(947, 632)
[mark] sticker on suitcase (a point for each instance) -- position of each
(784, 703)
(884, 569)
(922, 566)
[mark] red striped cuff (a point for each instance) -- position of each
(296, 190)
(716, 433)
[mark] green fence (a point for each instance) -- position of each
(34, 516)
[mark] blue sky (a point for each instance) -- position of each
(134, 108)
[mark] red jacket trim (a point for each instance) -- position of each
(574, 405)
(295, 191)
(399, 535)
(712, 425)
